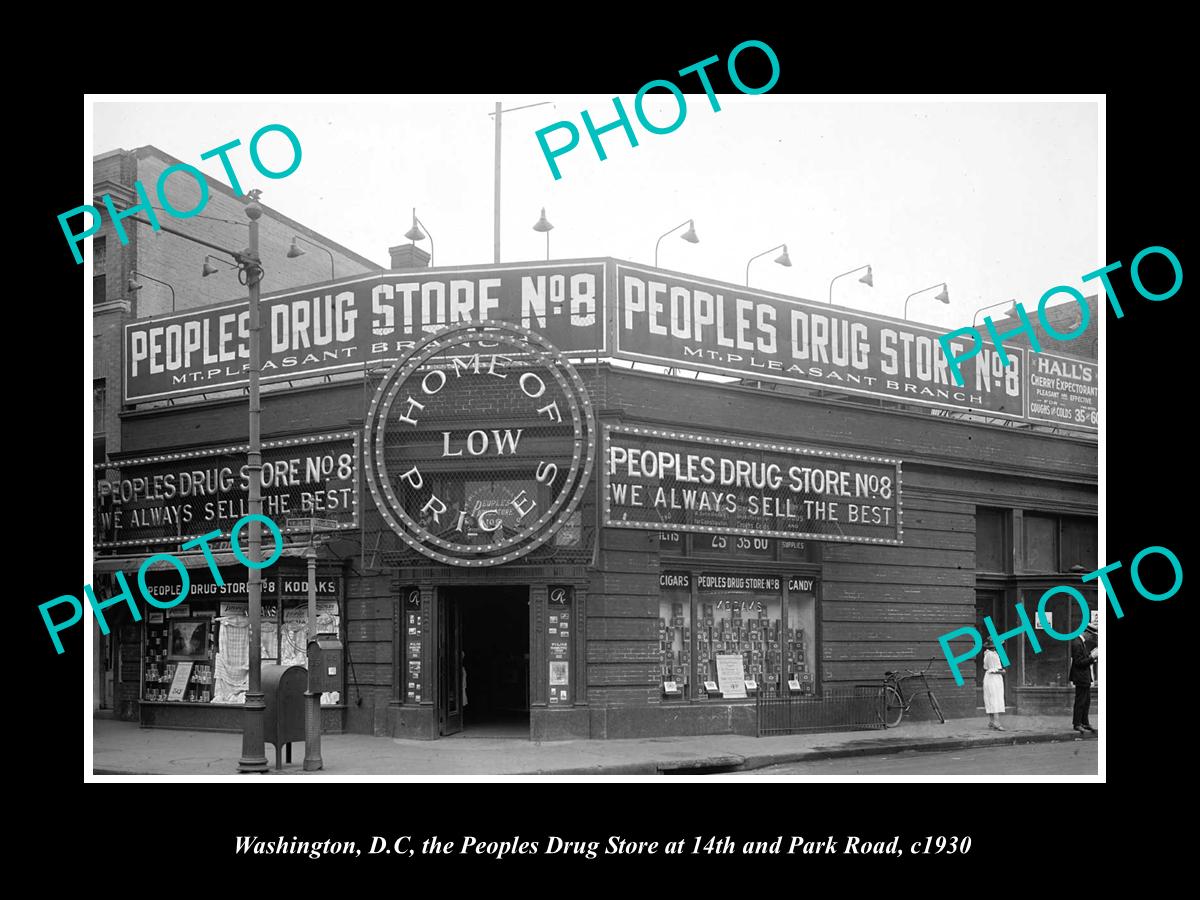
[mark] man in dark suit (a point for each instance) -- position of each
(1083, 656)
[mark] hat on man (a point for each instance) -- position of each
(1092, 627)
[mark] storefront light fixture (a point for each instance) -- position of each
(1011, 304)
(210, 269)
(543, 225)
(415, 234)
(867, 279)
(781, 260)
(690, 236)
(134, 287)
(295, 250)
(943, 296)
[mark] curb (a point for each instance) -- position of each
(733, 763)
(725, 763)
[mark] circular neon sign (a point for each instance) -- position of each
(479, 444)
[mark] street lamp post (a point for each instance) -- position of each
(943, 296)
(782, 259)
(415, 234)
(312, 705)
(543, 224)
(254, 757)
(496, 200)
(867, 279)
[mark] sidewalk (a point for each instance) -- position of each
(122, 748)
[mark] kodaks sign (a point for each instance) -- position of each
(348, 324)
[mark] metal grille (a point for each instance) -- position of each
(473, 487)
(834, 709)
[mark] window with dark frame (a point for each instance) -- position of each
(99, 269)
(1051, 546)
(99, 405)
(696, 624)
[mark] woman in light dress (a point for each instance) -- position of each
(993, 685)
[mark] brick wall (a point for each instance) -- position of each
(1064, 318)
(881, 607)
(106, 364)
(370, 606)
(179, 262)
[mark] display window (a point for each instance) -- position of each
(199, 650)
(799, 639)
(728, 635)
(1052, 666)
(675, 634)
(745, 625)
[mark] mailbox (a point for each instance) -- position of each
(325, 664)
(283, 693)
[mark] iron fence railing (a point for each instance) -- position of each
(833, 709)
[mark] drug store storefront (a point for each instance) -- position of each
(186, 666)
(542, 550)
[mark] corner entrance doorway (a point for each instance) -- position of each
(483, 661)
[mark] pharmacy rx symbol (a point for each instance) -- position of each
(479, 444)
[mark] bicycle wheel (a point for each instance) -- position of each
(937, 708)
(889, 707)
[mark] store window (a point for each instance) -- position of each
(991, 542)
(1041, 543)
(675, 634)
(560, 615)
(99, 405)
(800, 635)
(741, 639)
(1080, 543)
(741, 618)
(1050, 667)
(199, 651)
(99, 260)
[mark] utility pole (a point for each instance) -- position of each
(496, 202)
(312, 708)
(254, 757)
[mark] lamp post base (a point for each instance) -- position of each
(254, 754)
(312, 732)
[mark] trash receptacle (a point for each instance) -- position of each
(283, 694)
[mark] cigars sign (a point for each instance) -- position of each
(680, 481)
(479, 444)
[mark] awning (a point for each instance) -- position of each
(130, 564)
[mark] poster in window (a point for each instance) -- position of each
(179, 681)
(731, 674)
(558, 672)
(188, 638)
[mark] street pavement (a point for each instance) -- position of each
(123, 748)
(1073, 758)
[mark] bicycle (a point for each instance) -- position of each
(891, 704)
